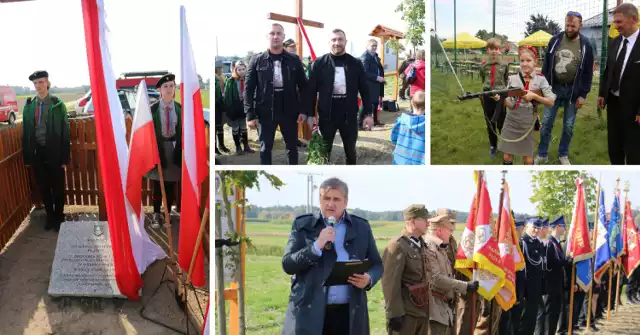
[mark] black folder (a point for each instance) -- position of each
(343, 270)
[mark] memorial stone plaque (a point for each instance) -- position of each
(83, 262)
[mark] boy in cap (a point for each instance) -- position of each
(405, 283)
(444, 285)
(166, 113)
(494, 74)
(46, 146)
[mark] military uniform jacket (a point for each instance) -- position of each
(499, 79)
(404, 264)
(444, 285)
(58, 141)
(533, 252)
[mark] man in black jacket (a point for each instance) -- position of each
(554, 278)
(375, 80)
(334, 81)
(619, 90)
(275, 81)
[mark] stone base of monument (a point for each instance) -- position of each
(83, 262)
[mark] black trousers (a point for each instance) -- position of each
(336, 320)
(529, 315)
(267, 132)
(348, 134)
(549, 314)
(510, 321)
(404, 90)
(51, 184)
(494, 122)
(170, 190)
(369, 110)
(623, 134)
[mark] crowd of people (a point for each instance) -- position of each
(565, 81)
(276, 90)
(423, 291)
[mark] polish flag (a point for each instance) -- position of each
(205, 326)
(194, 163)
(132, 249)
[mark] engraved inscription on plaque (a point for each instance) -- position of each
(83, 263)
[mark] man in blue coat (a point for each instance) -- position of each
(315, 245)
(568, 67)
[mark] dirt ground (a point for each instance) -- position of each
(373, 147)
(26, 307)
(624, 321)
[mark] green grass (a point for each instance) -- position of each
(268, 287)
(205, 97)
(459, 134)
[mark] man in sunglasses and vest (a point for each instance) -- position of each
(46, 146)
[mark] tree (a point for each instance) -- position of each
(484, 35)
(413, 14)
(229, 181)
(539, 22)
(554, 192)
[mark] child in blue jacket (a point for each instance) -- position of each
(408, 133)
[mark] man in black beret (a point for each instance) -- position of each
(46, 146)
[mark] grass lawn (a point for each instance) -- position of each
(268, 287)
(459, 134)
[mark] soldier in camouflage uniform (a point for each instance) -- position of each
(405, 281)
(440, 270)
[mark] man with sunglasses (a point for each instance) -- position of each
(568, 67)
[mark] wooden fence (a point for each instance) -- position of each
(83, 184)
(15, 201)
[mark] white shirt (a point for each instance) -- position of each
(632, 41)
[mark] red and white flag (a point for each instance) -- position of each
(631, 257)
(205, 326)
(194, 163)
(131, 247)
(510, 253)
(486, 254)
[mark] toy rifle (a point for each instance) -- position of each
(508, 92)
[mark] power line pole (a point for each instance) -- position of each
(310, 188)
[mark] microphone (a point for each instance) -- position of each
(332, 222)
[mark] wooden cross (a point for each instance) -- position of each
(303, 129)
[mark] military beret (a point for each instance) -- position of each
(415, 211)
(288, 42)
(536, 221)
(166, 78)
(38, 75)
(559, 221)
(448, 212)
(441, 221)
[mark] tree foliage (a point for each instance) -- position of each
(540, 22)
(554, 192)
(485, 35)
(413, 14)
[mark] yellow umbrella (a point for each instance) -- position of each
(465, 41)
(538, 39)
(613, 32)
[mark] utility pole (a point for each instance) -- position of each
(310, 189)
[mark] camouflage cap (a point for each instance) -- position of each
(448, 212)
(441, 221)
(415, 211)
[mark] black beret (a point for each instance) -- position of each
(38, 75)
(166, 78)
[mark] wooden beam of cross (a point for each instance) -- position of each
(303, 129)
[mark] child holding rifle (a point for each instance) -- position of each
(494, 74)
(517, 132)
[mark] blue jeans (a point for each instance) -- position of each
(563, 98)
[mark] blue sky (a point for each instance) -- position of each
(145, 36)
(511, 15)
(384, 189)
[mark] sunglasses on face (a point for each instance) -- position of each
(576, 14)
